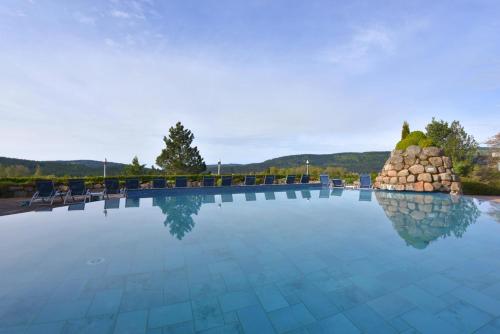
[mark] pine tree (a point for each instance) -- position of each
(405, 131)
(135, 168)
(178, 157)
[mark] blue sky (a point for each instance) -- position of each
(252, 79)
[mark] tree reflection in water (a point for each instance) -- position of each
(179, 211)
(422, 218)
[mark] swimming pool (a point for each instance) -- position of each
(289, 260)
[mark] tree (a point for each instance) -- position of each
(179, 157)
(135, 168)
(405, 131)
(456, 143)
(38, 171)
(494, 142)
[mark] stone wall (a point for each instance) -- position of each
(418, 169)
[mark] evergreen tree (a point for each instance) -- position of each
(405, 131)
(135, 168)
(178, 157)
(38, 171)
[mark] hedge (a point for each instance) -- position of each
(470, 187)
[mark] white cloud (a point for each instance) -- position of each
(120, 14)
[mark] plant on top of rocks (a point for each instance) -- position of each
(414, 138)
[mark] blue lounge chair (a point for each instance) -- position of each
(77, 188)
(337, 183)
(290, 179)
(111, 186)
(208, 181)
(159, 183)
(226, 180)
(250, 180)
(269, 179)
(365, 181)
(45, 191)
(181, 181)
(131, 184)
(304, 178)
(324, 179)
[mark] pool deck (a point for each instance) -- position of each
(9, 206)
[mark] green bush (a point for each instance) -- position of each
(470, 187)
(426, 142)
(413, 138)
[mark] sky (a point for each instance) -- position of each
(253, 80)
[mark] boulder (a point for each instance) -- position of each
(432, 151)
(447, 162)
(393, 180)
(436, 178)
(445, 176)
(413, 150)
(410, 187)
(403, 172)
(399, 166)
(410, 160)
(426, 177)
(419, 186)
(430, 169)
(436, 185)
(402, 179)
(416, 169)
(436, 161)
(428, 186)
(410, 178)
(392, 173)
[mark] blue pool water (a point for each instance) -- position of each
(297, 261)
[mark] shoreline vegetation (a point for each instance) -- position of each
(476, 166)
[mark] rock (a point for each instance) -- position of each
(379, 178)
(447, 162)
(399, 187)
(445, 176)
(428, 186)
(422, 156)
(392, 173)
(410, 178)
(424, 162)
(432, 151)
(396, 152)
(430, 169)
(419, 186)
(393, 180)
(456, 188)
(416, 169)
(436, 178)
(388, 167)
(403, 172)
(413, 150)
(436, 161)
(410, 160)
(402, 179)
(396, 159)
(441, 170)
(436, 186)
(426, 177)
(410, 187)
(386, 179)
(399, 166)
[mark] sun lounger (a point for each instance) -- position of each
(208, 181)
(111, 186)
(337, 183)
(304, 179)
(226, 180)
(45, 191)
(77, 188)
(131, 184)
(180, 181)
(159, 183)
(290, 179)
(250, 180)
(324, 180)
(269, 179)
(365, 181)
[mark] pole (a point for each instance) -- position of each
(307, 166)
(218, 167)
(105, 162)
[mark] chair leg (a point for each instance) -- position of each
(35, 196)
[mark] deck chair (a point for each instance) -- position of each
(226, 180)
(159, 183)
(337, 183)
(131, 184)
(111, 186)
(77, 188)
(208, 181)
(290, 179)
(269, 179)
(324, 179)
(304, 178)
(365, 181)
(45, 191)
(181, 181)
(249, 180)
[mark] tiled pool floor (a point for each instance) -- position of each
(310, 261)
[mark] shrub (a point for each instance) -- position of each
(413, 138)
(470, 187)
(426, 142)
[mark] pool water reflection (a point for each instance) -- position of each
(302, 261)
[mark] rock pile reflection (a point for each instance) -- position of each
(420, 219)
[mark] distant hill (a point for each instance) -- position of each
(69, 167)
(364, 162)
